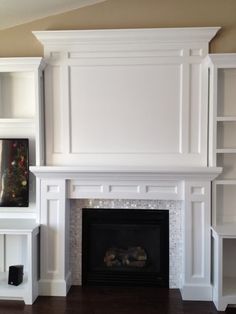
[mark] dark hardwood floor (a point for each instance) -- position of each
(117, 300)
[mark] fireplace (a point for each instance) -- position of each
(170, 187)
(125, 247)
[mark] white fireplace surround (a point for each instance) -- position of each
(126, 117)
(190, 185)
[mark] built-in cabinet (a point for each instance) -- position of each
(222, 153)
(20, 245)
(21, 116)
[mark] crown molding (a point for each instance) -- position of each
(126, 36)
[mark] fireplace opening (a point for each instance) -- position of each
(125, 247)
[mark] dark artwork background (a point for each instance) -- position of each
(14, 172)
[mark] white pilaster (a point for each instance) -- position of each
(196, 239)
(55, 274)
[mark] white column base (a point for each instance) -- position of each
(54, 287)
(196, 292)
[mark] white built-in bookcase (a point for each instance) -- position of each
(222, 130)
(222, 153)
(21, 116)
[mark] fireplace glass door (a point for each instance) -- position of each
(125, 247)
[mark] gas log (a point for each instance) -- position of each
(130, 257)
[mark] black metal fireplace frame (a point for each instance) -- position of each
(92, 216)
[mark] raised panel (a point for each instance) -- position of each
(125, 188)
(162, 188)
(197, 239)
(125, 109)
(53, 237)
(197, 190)
(54, 116)
(136, 100)
(165, 190)
(195, 108)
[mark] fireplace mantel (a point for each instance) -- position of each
(191, 185)
(129, 183)
(173, 173)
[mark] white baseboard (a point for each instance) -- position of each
(57, 287)
(196, 292)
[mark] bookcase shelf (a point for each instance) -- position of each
(228, 118)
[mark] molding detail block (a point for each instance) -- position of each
(108, 99)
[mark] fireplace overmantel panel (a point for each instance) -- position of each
(130, 97)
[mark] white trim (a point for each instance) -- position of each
(221, 60)
(127, 36)
(123, 173)
(53, 288)
(22, 64)
(196, 292)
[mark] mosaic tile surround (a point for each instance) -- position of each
(175, 232)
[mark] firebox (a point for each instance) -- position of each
(125, 247)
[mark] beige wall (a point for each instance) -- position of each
(18, 41)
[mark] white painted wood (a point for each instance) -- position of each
(161, 183)
(55, 273)
(108, 100)
(122, 102)
(222, 151)
(20, 247)
(222, 70)
(126, 36)
(230, 118)
(21, 116)
(134, 189)
(21, 101)
(225, 130)
(17, 95)
(226, 230)
(2, 256)
(127, 173)
(196, 242)
(224, 283)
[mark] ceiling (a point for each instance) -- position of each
(16, 12)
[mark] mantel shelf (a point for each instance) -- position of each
(177, 173)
